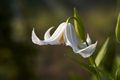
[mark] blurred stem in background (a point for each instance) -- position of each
(93, 64)
(109, 61)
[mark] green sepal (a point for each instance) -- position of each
(101, 53)
(117, 30)
(79, 27)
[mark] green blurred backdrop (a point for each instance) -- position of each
(20, 59)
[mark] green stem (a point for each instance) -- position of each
(108, 75)
(72, 18)
(116, 73)
(91, 59)
(95, 67)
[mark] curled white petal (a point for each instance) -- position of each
(88, 40)
(47, 34)
(83, 45)
(61, 28)
(70, 37)
(73, 41)
(57, 35)
(36, 40)
(55, 39)
(88, 51)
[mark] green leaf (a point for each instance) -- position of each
(79, 27)
(117, 72)
(117, 30)
(102, 53)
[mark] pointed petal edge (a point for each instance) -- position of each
(35, 39)
(88, 51)
(47, 34)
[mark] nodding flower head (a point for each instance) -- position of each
(66, 34)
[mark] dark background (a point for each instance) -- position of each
(20, 59)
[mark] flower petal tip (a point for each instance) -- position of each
(88, 51)
(47, 33)
(34, 38)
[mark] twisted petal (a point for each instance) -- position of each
(88, 40)
(47, 34)
(36, 40)
(53, 39)
(70, 37)
(88, 51)
(83, 45)
(73, 41)
(57, 35)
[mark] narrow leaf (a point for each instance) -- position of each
(117, 30)
(102, 53)
(117, 73)
(79, 27)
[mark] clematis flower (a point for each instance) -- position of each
(65, 34)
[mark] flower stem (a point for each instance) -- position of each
(95, 67)
(94, 64)
(72, 18)
(116, 73)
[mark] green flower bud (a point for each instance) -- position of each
(79, 27)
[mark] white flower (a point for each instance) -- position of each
(65, 33)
